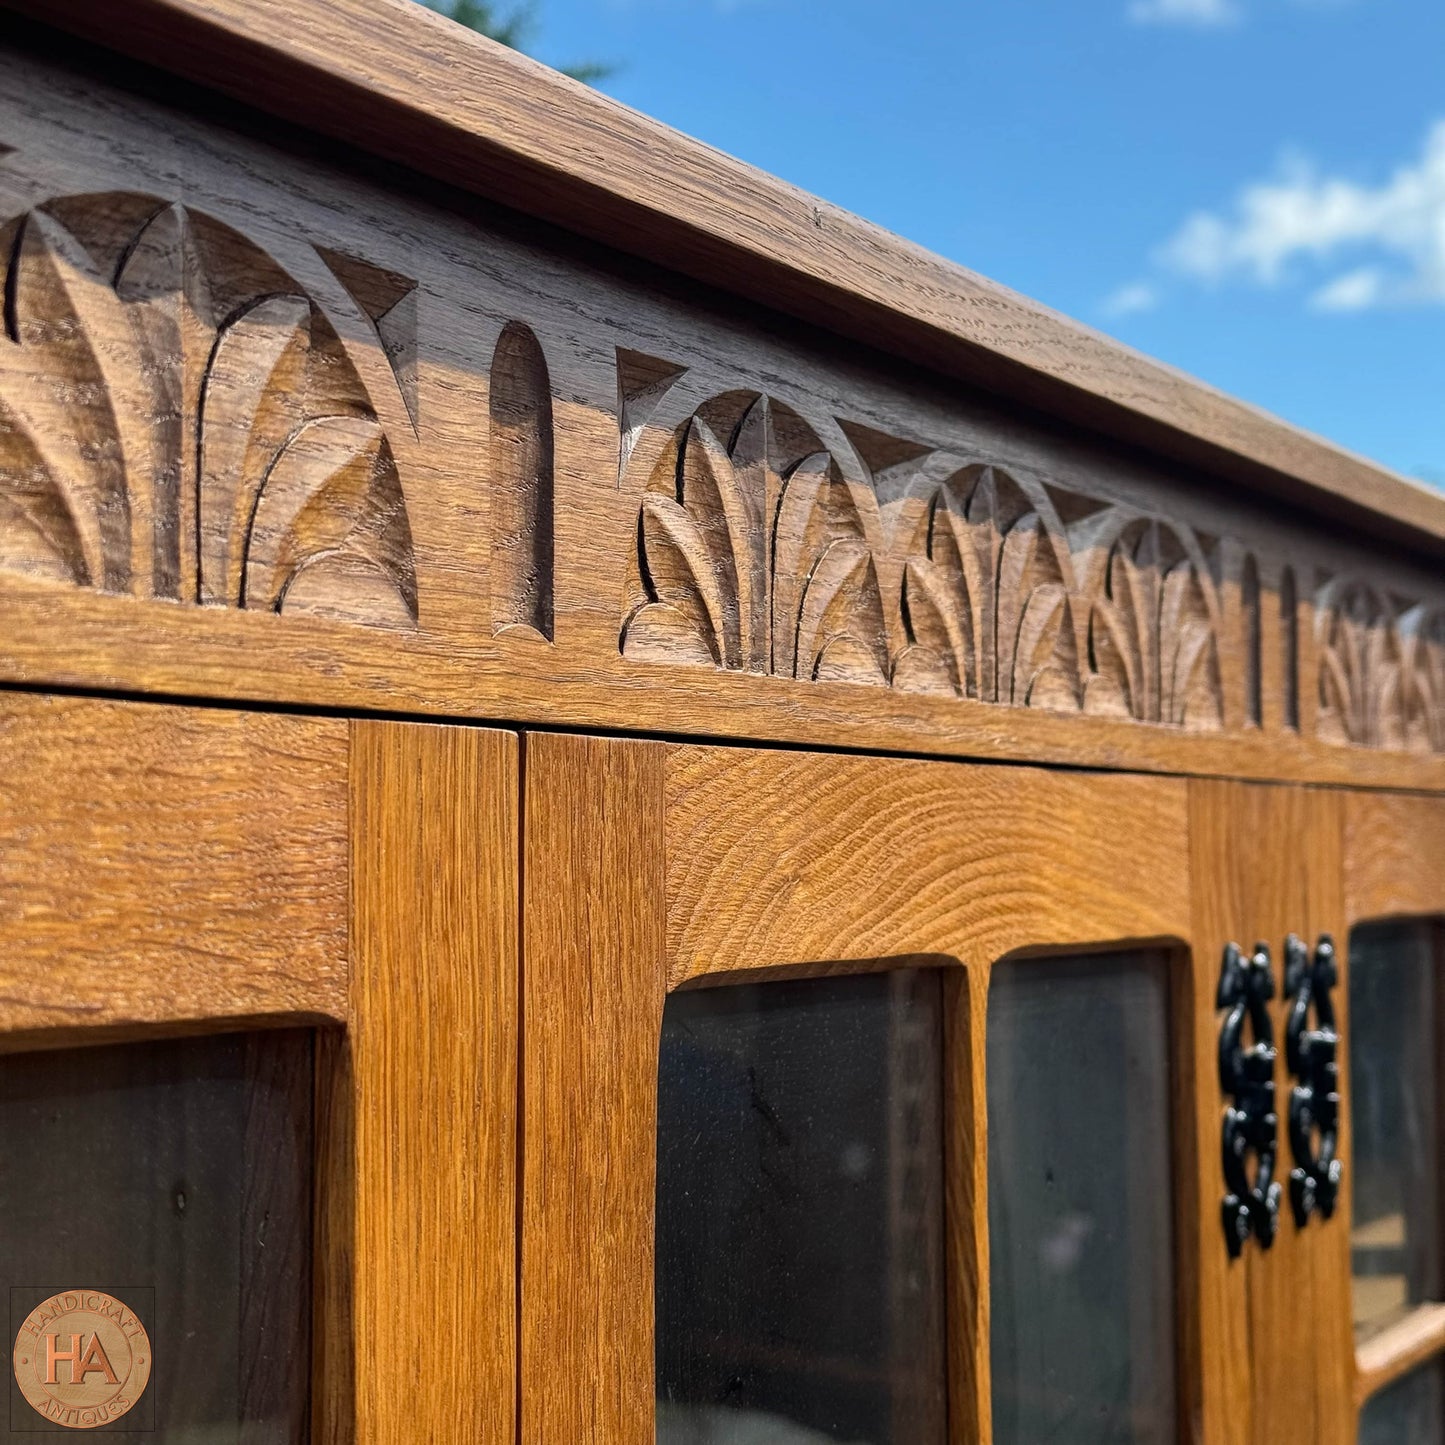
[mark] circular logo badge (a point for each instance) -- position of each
(82, 1358)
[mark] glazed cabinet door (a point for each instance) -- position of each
(257, 1074)
(864, 1099)
(1394, 865)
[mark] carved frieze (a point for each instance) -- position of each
(179, 420)
(274, 389)
(813, 549)
(1381, 668)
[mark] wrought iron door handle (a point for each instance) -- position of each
(1312, 1054)
(1246, 1075)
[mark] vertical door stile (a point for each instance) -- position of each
(416, 1115)
(1267, 862)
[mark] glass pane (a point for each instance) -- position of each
(1390, 1035)
(799, 1267)
(173, 1180)
(1409, 1412)
(1079, 1201)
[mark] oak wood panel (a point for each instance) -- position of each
(473, 473)
(417, 1107)
(167, 867)
(594, 981)
(777, 858)
(1394, 855)
(1395, 1351)
(413, 88)
(1266, 862)
(650, 867)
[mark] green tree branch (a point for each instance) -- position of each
(513, 28)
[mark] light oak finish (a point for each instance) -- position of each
(594, 981)
(1412, 1340)
(417, 1108)
(438, 98)
(777, 859)
(282, 433)
(284, 427)
(652, 867)
(168, 868)
(1266, 862)
(1395, 856)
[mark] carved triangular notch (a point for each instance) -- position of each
(1073, 507)
(642, 382)
(880, 450)
(389, 301)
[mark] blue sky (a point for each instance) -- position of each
(1252, 190)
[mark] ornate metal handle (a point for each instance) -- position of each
(1246, 1074)
(1312, 1054)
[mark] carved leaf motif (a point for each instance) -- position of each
(754, 563)
(1360, 698)
(1421, 633)
(1152, 632)
(254, 399)
(148, 445)
(987, 605)
(681, 575)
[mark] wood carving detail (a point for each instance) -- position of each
(821, 550)
(1381, 668)
(179, 420)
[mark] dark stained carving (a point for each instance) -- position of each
(642, 382)
(179, 420)
(1381, 668)
(1153, 622)
(753, 553)
(388, 301)
(986, 597)
(1359, 659)
(829, 550)
(1289, 647)
(521, 484)
(1251, 643)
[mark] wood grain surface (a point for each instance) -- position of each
(1394, 856)
(778, 858)
(1266, 862)
(168, 867)
(594, 982)
(417, 1199)
(415, 89)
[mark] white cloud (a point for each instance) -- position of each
(1390, 236)
(1131, 299)
(1203, 13)
(1356, 290)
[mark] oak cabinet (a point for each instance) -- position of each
(631, 814)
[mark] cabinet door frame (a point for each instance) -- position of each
(647, 862)
(243, 870)
(1393, 844)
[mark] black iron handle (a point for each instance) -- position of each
(1246, 1074)
(1312, 1054)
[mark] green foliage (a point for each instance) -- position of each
(512, 27)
